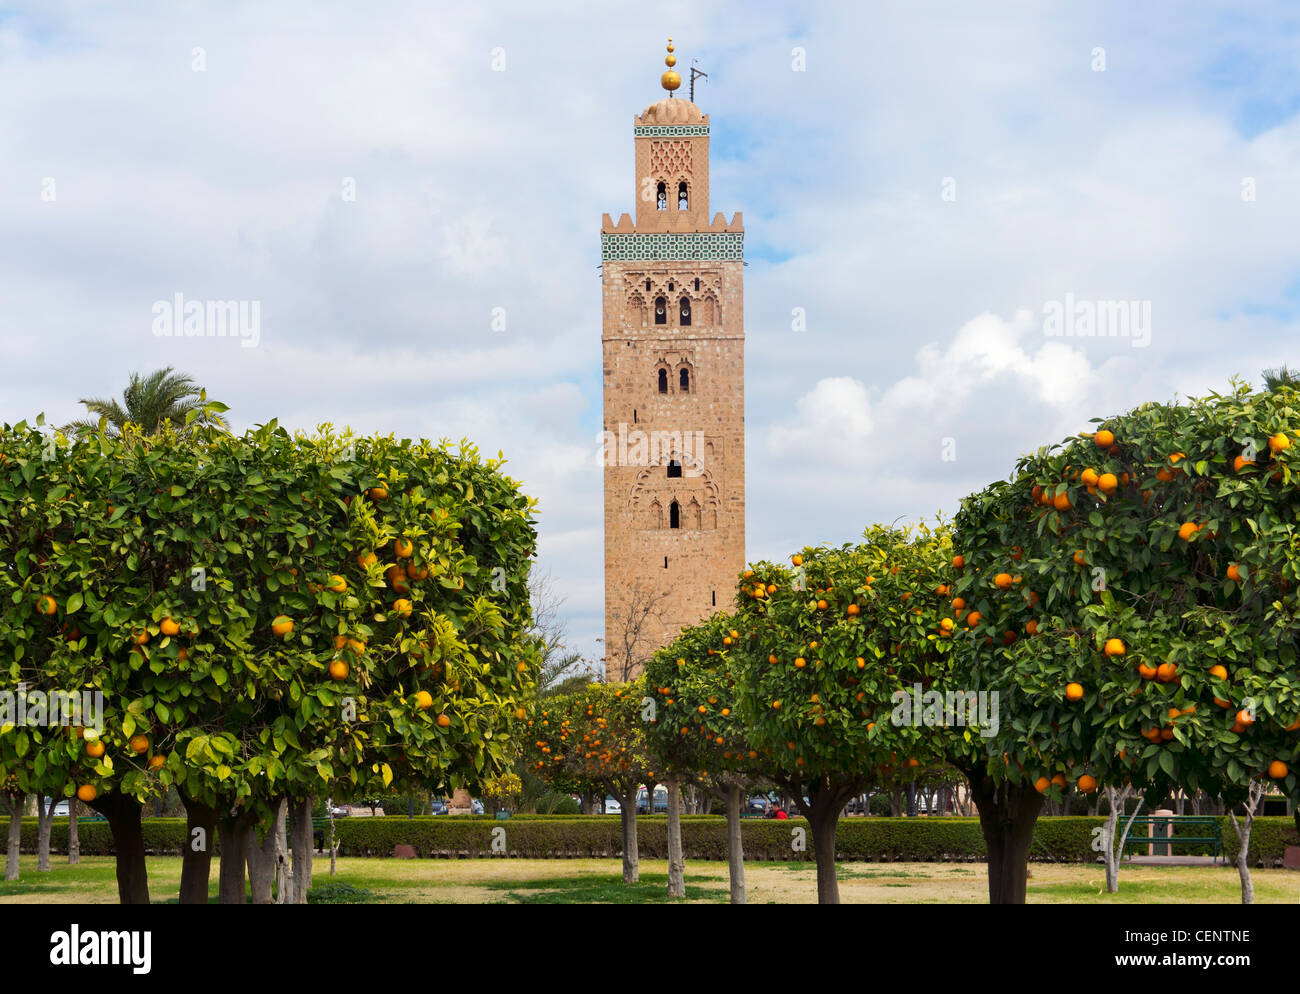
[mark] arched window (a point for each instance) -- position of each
(686, 312)
(684, 380)
(661, 197)
(697, 283)
(661, 310)
(674, 470)
(647, 285)
(663, 381)
(674, 515)
(683, 201)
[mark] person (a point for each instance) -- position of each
(780, 814)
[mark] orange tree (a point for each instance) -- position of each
(827, 651)
(695, 732)
(264, 615)
(1152, 612)
(596, 735)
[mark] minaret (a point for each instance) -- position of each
(673, 339)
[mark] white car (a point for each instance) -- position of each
(612, 807)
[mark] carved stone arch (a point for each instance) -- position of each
(655, 518)
(694, 514)
(636, 310)
(684, 376)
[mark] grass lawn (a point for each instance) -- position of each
(599, 881)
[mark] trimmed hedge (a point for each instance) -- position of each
(873, 840)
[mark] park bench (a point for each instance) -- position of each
(1158, 831)
(319, 826)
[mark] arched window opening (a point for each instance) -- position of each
(715, 598)
(686, 312)
(665, 562)
(661, 310)
(647, 284)
(663, 381)
(674, 515)
(697, 283)
(683, 201)
(674, 470)
(684, 380)
(634, 415)
(661, 198)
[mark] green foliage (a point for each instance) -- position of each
(113, 529)
(1168, 599)
(596, 736)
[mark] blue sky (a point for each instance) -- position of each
(481, 187)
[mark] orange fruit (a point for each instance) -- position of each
(1240, 463)
(1031, 627)
(1187, 530)
(1234, 573)
(854, 610)
(776, 705)
(1220, 702)
(402, 608)
(94, 748)
(339, 669)
(46, 604)
(1041, 785)
(169, 627)
(800, 663)
(1146, 672)
(1002, 581)
(1245, 718)
(797, 560)
(1079, 558)
(157, 762)
(1074, 691)
(87, 793)
(958, 562)
(1061, 501)
(1059, 779)
(139, 744)
(403, 548)
(861, 662)
(365, 559)
(1089, 477)
(958, 603)
(423, 700)
(281, 626)
(1219, 672)
(1107, 483)
(1087, 783)
(1277, 770)
(1104, 439)
(1279, 442)
(946, 624)
(822, 605)
(337, 584)
(973, 619)
(444, 721)
(377, 493)
(140, 636)
(1115, 647)
(1166, 672)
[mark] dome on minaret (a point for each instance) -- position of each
(672, 110)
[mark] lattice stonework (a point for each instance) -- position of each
(672, 131)
(672, 158)
(672, 246)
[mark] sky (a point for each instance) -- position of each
(927, 183)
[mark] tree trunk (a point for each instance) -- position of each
(1114, 852)
(263, 854)
(44, 822)
(233, 831)
(15, 801)
(74, 838)
(631, 861)
(302, 837)
(123, 814)
(1007, 816)
(735, 846)
(1253, 796)
(196, 851)
(823, 817)
(676, 863)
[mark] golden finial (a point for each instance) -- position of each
(670, 80)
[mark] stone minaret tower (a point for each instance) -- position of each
(673, 339)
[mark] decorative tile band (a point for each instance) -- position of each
(672, 246)
(671, 131)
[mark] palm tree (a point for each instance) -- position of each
(1280, 377)
(161, 398)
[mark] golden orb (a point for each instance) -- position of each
(670, 61)
(670, 80)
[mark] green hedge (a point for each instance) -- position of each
(875, 840)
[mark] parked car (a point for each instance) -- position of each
(612, 807)
(661, 801)
(476, 806)
(438, 808)
(758, 804)
(60, 809)
(341, 810)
